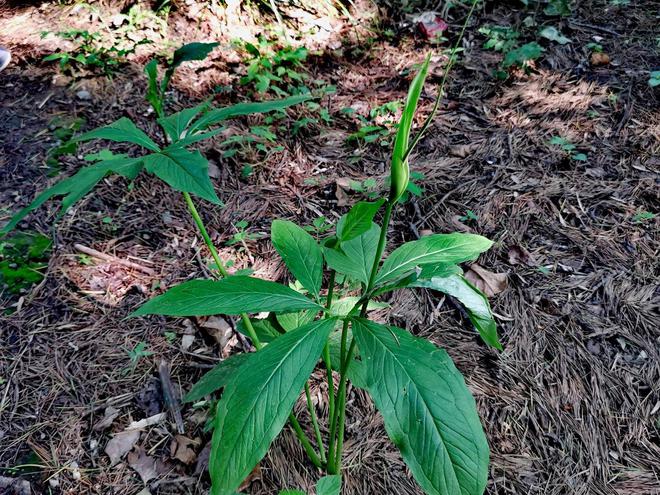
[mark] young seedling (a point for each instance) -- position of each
(569, 148)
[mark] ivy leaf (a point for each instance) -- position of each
(300, 252)
(185, 171)
(475, 302)
(257, 402)
(358, 220)
(445, 249)
(123, 130)
(74, 188)
(428, 410)
(230, 296)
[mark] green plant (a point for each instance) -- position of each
(308, 323)
(499, 38)
(91, 52)
(643, 216)
(569, 148)
(136, 354)
(22, 260)
(242, 235)
(654, 78)
(522, 55)
(63, 128)
(594, 47)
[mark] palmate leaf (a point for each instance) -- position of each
(218, 115)
(300, 252)
(358, 220)
(230, 296)
(175, 125)
(428, 410)
(257, 401)
(434, 249)
(473, 299)
(123, 130)
(78, 185)
(356, 257)
(184, 170)
(217, 378)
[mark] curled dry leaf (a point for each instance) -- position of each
(217, 328)
(599, 58)
(109, 416)
(486, 281)
(518, 255)
(343, 185)
(183, 449)
(143, 464)
(121, 444)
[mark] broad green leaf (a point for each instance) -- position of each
(424, 272)
(263, 327)
(473, 299)
(257, 402)
(217, 115)
(192, 51)
(77, 186)
(230, 296)
(292, 492)
(358, 220)
(399, 169)
(522, 55)
(428, 410)
(185, 171)
(175, 125)
(341, 307)
(123, 130)
(217, 378)
(329, 485)
(434, 249)
(291, 321)
(300, 252)
(356, 256)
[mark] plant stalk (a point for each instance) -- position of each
(326, 350)
(247, 323)
(315, 422)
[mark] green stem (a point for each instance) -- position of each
(326, 350)
(246, 320)
(333, 419)
(342, 404)
(379, 253)
(315, 422)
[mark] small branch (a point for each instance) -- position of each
(170, 396)
(113, 259)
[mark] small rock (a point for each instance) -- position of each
(83, 94)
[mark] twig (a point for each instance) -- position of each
(108, 257)
(170, 396)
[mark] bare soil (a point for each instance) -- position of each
(572, 404)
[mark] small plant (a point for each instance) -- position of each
(594, 47)
(522, 56)
(643, 216)
(63, 129)
(136, 354)
(22, 260)
(242, 235)
(469, 216)
(569, 148)
(90, 53)
(654, 78)
(500, 38)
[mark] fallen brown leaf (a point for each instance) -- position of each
(121, 444)
(599, 58)
(183, 449)
(343, 185)
(486, 281)
(253, 476)
(143, 464)
(218, 328)
(518, 255)
(109, 416)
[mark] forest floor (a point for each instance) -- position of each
(572, 404)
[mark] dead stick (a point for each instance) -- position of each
(113, 259)
(170, 396)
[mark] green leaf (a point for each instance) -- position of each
(356, 257)
(154, 95)
(358, 220)
(341, 307)
(123, 130)
(217, 378)
(399, 169)
(553, 34)
(428, 410)
(230, 296)
(291, 321)
(74, 188)
(300, 252)
(183, 170)
(217, 115)
(292, 492)
(329, 485)
(434, 249)
(175, 125)
(521, 55)
(475, 302)
(257, 402)
(192, 51)
(263, 327)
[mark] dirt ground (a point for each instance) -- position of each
(572, 404)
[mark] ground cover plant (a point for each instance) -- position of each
(428, 411)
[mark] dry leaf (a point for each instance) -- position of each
(486, 281)
(203, 459)
(143, 464)
(599, 58)
(218, 328)
(254, 475)
(121, 444)
(109, 416)
(518, 255)
(183, 449)
(343, 185)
